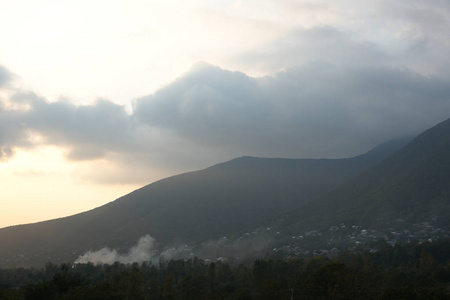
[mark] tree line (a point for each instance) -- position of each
(411, 271)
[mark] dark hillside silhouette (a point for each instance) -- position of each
(187, 208)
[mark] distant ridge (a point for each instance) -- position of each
(413, 185)
(187, 208)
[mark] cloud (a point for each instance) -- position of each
(88, 131)
(206, 99)
(209, 114)
(332, 90)
(318, 109)
(5, 76)
(411, 34)
(13, 133)
(101, 123)
(300, 46)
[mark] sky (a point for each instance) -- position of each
(98, 98)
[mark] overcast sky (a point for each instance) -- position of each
(98, 98)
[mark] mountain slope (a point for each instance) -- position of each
(413, 185)
(190, 207)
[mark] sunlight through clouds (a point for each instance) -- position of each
(38, 185)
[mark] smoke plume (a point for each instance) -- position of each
(143, 251)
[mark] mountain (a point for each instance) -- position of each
(187, 208)
(410, 186)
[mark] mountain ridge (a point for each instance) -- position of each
(412, 184)
(189, 207)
